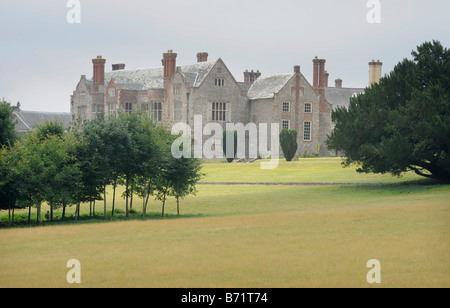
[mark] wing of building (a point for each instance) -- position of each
(173, 93)
(26, 121)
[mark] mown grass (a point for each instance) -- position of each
(305, 170)
(249, 236)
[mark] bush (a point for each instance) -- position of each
(288, 142)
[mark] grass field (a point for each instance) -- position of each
(252, 236)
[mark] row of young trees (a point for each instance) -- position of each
(70, 167)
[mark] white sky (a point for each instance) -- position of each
(42, 56)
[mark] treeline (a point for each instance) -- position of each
(68, 167)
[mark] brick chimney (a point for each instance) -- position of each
(338, 83)
(202, 57)
(320, 76)
(374, 72)
(118, 67)
(250, 77)
(99, 70)
(170, 63)
(325, 79)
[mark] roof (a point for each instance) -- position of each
(340, 97)
(267, 87)
(196, 73)
(28, 120)
(245, 86)
(153, 78)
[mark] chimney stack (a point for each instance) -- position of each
(338, 83)
(325, 79)
(99, 70)
(250, 77)
(118, 67)
(202, 57)
(320, 77)
(170, 63)
(374, 72)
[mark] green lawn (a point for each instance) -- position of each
(252, 236)
(309, 170)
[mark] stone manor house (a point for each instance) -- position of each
(173, 93)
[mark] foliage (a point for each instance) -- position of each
(229, 138)
(288, 142)
(66, 167)
(402, 123)
(7, 132)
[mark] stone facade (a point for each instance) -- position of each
(172, 94)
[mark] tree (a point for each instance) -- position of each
(231, 136)
(8, 181)
(153, 144)
(104, 141)
(288, 142)
(178, 178)
(402, 123)
(63, 175)
(186, 174)
(7, 131)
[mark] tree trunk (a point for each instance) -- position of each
(126, 196)
(146, 203)
(178, 206)
(131, 195)
(38, 218)
(104, 201)
(143, 205)
(114, 198)
(29, 214)
(9, 215)
(64, 211)
(164, 202)
(77, 211)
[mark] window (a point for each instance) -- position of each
(145, 107)
(178, 111)
(83, 97)
(285, 124)
(177, 89)
(286, 107)
(112, 108)
(112, 92)
(128, 107)
(308, 107)
(82, 110)
(307, 131)
(220, 82)
(156, 111)
(98, 109)
(219, 111)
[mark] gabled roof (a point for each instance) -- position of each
(28, 120)
(196, 73)
(340, 97)
(153, 78)
(267, 87)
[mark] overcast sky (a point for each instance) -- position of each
(42, 56)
